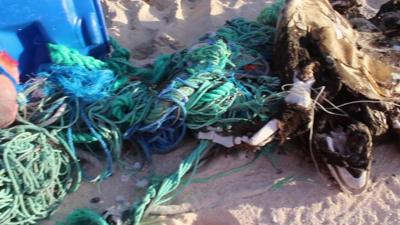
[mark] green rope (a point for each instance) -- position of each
(269, 15)
(63, 55)
(157, 193)
(249, 34)
(130, 105)
(83, 217)
(163, 66)
(265, 151)
(209, 94)
(223, 82)
(119, 63)
(37, 171)
(214, 98)
(59, 112)
(211, 101)
(208, 57)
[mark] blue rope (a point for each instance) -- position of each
(168, 136)
(103, 144)
(161, 136)
(78, 82)
(153, 127)
(82, 86)
(165, 140)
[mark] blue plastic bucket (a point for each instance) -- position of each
(27, 26)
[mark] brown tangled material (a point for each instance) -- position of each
(353, 63)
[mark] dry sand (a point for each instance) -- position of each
(151, 27)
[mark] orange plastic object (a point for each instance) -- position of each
(8, 91)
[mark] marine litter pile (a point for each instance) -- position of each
(248, 85)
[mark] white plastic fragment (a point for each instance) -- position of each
(329, 142)
(238, 140)
(395, 123)
(226, 141)
(350, 180)
(262, 137)
(300, 93)
(342, 175)
(265, 134)
(217, 129)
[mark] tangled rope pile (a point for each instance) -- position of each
(244, 99)
(37, 172)
(79, 103)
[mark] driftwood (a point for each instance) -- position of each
(344, 81)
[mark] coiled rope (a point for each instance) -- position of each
(37, 171)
